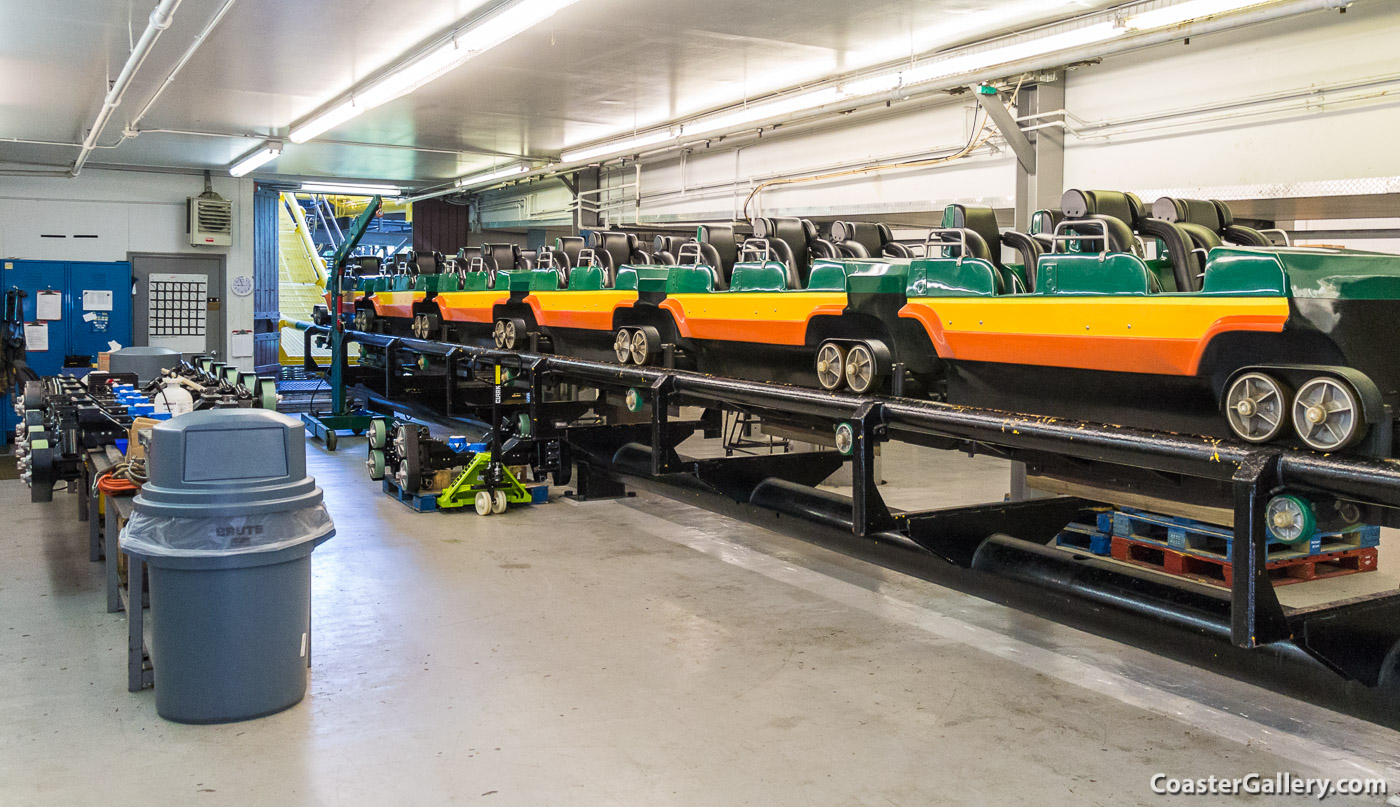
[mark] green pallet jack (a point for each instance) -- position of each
(472, 488)
(326, 425)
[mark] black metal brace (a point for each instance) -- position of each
(661, 456)
(870, 512)
(1255, 614)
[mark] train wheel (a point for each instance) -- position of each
(375, 463)
(646, 342)
(482, 502)
(517, 334)
(498, 502)
(622, 345)
(1327, 415)
(1256, 405)
(863, 373)
(432, 325)
(831, 365)
(358, 322)
(498, 333)
(420, 326)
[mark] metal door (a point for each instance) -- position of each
(173, 323)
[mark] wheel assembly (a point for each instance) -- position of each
(378, 433)
(622, 345)
(863, 372)
(423, 326)
(498, 334)
(646, 341)
(1327, 415)
(498, 502)
(482, 502)
(1256, 407)
(831, 365)
(375, 463)
(1290, 519)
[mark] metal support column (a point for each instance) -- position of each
(1255, 614)
(1040, 187)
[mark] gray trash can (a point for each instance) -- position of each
(226, 525)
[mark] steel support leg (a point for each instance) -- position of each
(1255, 614)
(870, 513)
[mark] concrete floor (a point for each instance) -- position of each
(631, 652)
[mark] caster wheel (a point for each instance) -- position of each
(378, 434)
(498, 501)
(330, 441)
(483, 503)
(375, 463)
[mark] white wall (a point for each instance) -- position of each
(129, 212)
(1202, 138)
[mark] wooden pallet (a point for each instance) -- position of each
(1218, 571)
(1085, 539)
(1213, 542)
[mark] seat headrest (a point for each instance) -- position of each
(465, 254)
(428, 263)
(370, 264)
(567, 249)
(1188, 211)
(1043, 221)
(867, 234)
(981, 220)
(796, 233)
(1079, 204)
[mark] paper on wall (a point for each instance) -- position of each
(89, 317)
(97, 300)
(48, 305)
(36, 336)
(113, 344)
(240, 344)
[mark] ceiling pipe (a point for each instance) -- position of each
(160, 19)
(1113, 47)
(180, 65)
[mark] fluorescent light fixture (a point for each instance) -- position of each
(265, 154)
(331, 118)
(617, 146)
(350, 190)
(762, 111)
(1186, 12)
(969, 62)
(479, 37)
(492, 176)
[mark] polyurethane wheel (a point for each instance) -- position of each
(1327, 414)
(517, 334)
(420, 326)
(330, 440)
(498, 502)
(375, 463)
(267, 394)
(378, 433)
(831, 365)
(1256, 407)
(646, 343)
(498, 334)
(482, 502)
(863, 373)
(622, 345)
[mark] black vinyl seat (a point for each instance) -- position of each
(467, 258)
(969, 243)
(665, 248)
(368, 265)
(1201, 216)
(719, 246)
(429, 263)
(864, 239)
(983, 221)
(791, 241)
(612, 249)
(1124, 215)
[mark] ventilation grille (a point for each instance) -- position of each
(211, 222)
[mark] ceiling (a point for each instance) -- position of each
(596, 69)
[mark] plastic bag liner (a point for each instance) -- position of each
(220, 536)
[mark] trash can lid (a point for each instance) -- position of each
(226, 461)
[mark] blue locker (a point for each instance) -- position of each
(72, 335)
(89, 335)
